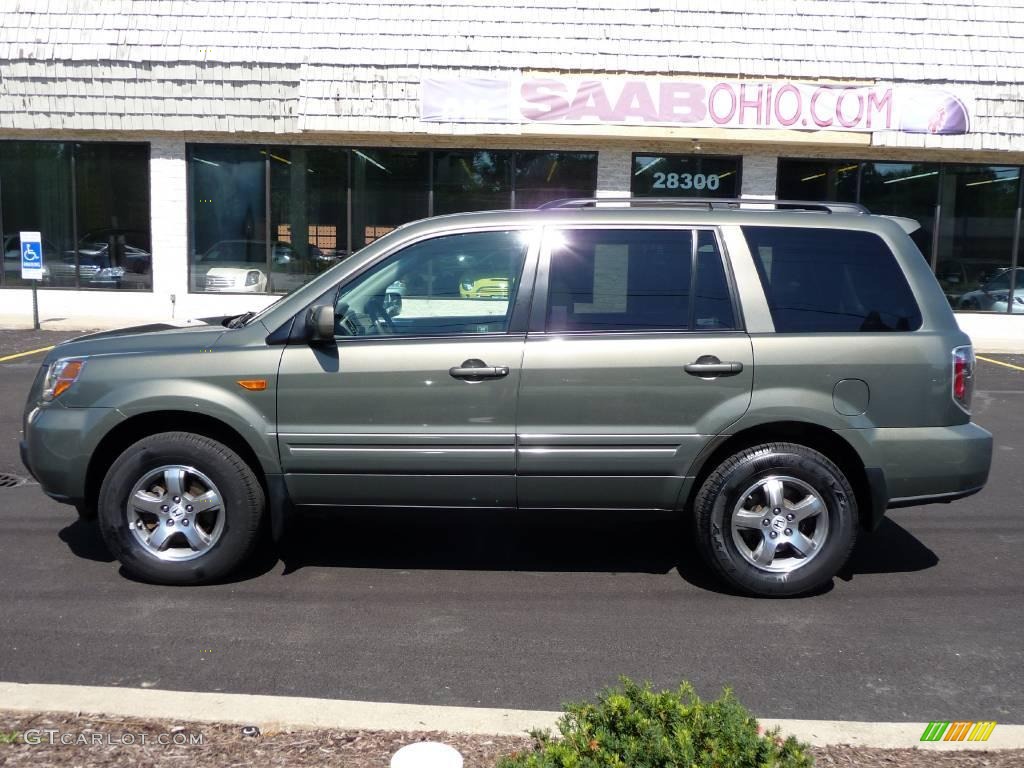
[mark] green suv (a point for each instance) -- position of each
(778, 373)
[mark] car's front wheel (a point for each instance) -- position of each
(180, 508)
(776, 519)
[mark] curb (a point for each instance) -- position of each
(307, 713)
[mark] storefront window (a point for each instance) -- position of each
(229, 224)
(472, 180)
(308, 213)
(112, 198)
(544, 176)
(979, 206)
(833, 180)
(268, 219)
(970, 246)
(389, 188)
(903, 189)
(685, 176)
(35, 195)
(45, 186)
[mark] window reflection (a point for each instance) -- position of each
(832, 180)
(545, 176)
(979, 205)
(472, 180)
(35, 195)
(971, 244)
(308, 213)
(229, 240)
(389, 188)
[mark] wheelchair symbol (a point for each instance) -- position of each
(28, 254)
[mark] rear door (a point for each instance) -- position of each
(635, 359)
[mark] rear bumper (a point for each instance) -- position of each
(924, 465)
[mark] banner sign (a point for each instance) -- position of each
(778, 104)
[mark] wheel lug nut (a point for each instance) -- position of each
(163, 507)
(765, 521)
(789, 531)
(185, 521)
(777, 510)
(773, 534)
(177, 499)
(170, 522)
(188, 507)
(790, 516)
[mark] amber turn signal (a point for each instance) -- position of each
(253, 385)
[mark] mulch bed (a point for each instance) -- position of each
(225, 746)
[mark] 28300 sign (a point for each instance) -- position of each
(697, 181)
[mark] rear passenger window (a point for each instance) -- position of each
(831, 280)
(636, 280)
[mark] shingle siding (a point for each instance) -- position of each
(321, 65)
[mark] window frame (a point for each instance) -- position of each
(890, 248)
(518, 317)
(539, 308)
(73, 145)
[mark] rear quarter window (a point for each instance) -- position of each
(831, 281)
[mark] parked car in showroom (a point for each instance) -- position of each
(777, 377)
(994, 295)
(107, 258)
(240, 266)
(232, 265)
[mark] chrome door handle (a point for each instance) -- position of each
(709, 365)
(475, 370)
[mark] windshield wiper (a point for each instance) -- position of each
(238, 322)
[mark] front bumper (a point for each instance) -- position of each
(58, 445)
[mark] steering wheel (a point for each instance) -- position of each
(379, 316)
(347, 321)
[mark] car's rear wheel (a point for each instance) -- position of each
(180, 508)
(776, 519)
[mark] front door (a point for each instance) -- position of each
(633, 362)
(414, 404)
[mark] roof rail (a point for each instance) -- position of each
(710, 203)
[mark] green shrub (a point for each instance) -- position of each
(636, 727)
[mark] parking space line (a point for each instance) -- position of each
(47, 349)
(986, 359)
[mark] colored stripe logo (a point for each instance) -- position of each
(958, 730)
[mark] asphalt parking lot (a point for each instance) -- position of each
(926, 623)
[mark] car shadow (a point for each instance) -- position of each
(569, 541)
(84, 540)
(563, 541)
(890, 549)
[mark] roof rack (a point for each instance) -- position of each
(710, 203)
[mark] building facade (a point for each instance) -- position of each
(185, 158)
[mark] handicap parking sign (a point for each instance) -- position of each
(31, 256)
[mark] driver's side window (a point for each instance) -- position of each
(447, 285)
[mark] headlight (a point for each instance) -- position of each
(109, 272)
(253, 277)
(466, 285)
(61, 375)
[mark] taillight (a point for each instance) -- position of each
(963, 376)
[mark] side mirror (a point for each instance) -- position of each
(320, 323)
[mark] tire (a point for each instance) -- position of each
(814, 529)
(161, 537)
